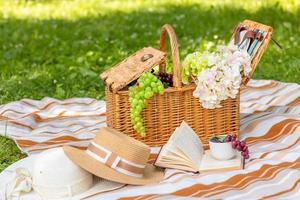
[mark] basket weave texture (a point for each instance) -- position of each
(166, 112)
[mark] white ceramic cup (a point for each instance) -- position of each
(221, 151)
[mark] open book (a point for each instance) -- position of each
(184, 151)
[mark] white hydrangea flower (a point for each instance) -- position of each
(222, 79)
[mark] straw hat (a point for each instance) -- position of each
(50, 175)
(115, 156)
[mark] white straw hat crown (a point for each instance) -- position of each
(56, 176)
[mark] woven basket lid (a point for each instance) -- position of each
(131, 68)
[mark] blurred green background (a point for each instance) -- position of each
(59, 48)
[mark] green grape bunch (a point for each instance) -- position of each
(147, 85)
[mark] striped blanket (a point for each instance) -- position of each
(270, 123)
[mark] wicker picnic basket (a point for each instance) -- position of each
(166, 112)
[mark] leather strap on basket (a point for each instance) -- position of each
(167, 29)
(236, 33)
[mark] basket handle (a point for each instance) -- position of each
(167, 29)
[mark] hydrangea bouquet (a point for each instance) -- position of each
(218, 74)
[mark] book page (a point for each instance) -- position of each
(209, 163)
(178, 157)
(174, 158)
(185, 139)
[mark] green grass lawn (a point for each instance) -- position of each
(58, 48)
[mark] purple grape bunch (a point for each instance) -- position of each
(166, 79)
(238, 145)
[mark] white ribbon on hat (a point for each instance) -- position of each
(117, 160)
(21, 182)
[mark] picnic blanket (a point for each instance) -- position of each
(270, 123)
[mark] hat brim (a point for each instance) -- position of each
(99, 186)
(151, 174)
